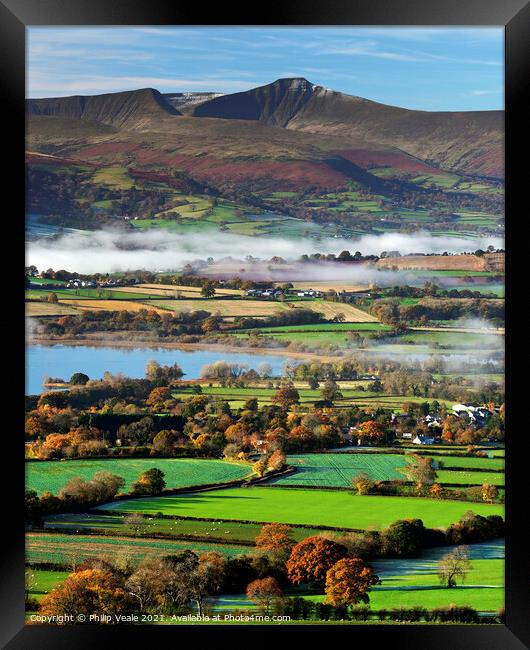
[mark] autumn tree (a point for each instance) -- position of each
(489, 493)
(311, 558)
(363, 483)
(158, 398)
(260, 467)
(275, 538)
(198, 579)
(155, 583)
(348, 582)
(92, 591)
(264, 592)
(102, 487)
(371, 432)
(276, 461)
(211, 324)
(236, 432)
(437, 491)
(162, 375)
(455, 565)
(419, 470)
(286, 396)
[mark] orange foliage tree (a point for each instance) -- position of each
(264, 592)
(92, 591)
(311, 558)
(286, 396)
(276, 460)
(275, 538)
(348, 582)
(371, 432)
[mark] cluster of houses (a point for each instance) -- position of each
(265, 293)
(275, 292)
(78, 284)
(476, 414)
(308, 293)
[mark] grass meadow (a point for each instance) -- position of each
(179, 472)
(320, 507)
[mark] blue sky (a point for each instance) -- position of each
(422, 68)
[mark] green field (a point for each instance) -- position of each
(362, 398)
(405, 583)
(471, 478)
(463, 462)
(92, 293)
(117, 525)
(57, 548)
(320, 327)
(179, 472)
(42, 581)
(405, 343)
(299, 506)
(483, 588)
(337, 470)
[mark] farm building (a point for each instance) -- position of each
(423, 440)
(264, 293)
(477, 414)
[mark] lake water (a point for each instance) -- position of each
(61, 361)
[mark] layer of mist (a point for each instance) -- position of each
(106, 251)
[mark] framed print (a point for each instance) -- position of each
(265, 326)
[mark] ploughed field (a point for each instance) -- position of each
(340, 509)
(54, 548)
(52, 475)
(337, 470)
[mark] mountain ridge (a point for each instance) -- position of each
(131, 108)
(295, 114)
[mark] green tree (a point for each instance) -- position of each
(208, 290)
(150, 482)
(79, 379)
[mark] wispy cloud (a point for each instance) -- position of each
(479, 93)
(396, 65)
(43, 86)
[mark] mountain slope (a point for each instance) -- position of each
(464, 141)
(471, 142)
(276, 103)
(125, 110)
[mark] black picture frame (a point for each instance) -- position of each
(15, 15)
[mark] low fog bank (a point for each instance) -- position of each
(157, 250)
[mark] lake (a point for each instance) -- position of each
(61, 361)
